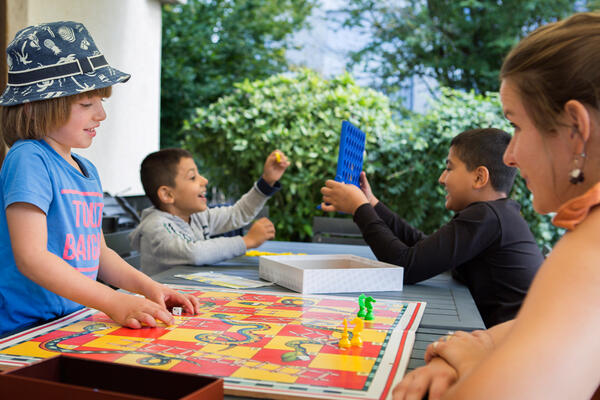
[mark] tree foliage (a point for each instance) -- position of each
(207, 45)
(458, 43)
(301, 114)
(593, 5)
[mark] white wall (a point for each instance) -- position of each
(128, 33)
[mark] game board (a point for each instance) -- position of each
(265, 344)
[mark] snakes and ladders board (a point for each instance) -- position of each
(264, 344)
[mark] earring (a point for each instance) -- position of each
(576, 175)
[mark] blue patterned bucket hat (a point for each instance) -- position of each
(54, 60)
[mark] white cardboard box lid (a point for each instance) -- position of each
(330, 273)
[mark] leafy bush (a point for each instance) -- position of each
(301, 114)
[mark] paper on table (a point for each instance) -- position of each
(217, 279)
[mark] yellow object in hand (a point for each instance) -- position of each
(278, 156)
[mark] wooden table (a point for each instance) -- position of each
(450, 305)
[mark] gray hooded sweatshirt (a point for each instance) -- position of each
(165, 240)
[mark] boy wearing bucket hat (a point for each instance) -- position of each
(51, 240)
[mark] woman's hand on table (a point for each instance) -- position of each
(461, 350)
(434, 378)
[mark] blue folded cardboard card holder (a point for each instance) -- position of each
(350, 157)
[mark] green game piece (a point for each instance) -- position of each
(362, 312)
(369, 305)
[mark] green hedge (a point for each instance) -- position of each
(301, 113)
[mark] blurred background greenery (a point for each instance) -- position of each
(230, 95)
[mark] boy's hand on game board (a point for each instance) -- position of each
(134, 311)
(275, 165)
(260, 231)
(366, 188)
(344, 197)
(435, 378)
(169, 298)
(462, 350)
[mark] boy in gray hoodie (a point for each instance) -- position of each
(177, 230)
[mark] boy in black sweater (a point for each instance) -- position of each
(487, 245)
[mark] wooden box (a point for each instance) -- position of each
(331, 273)
(63, 377)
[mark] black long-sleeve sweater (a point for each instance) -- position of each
(487, 246)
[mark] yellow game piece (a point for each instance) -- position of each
(278, 156)
(344, 342)
(356, 339)
(256, 253)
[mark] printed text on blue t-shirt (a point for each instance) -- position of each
(84, 247)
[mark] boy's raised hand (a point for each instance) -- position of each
(366, 188)
(344, 197)
(275, 165)
(260, 231)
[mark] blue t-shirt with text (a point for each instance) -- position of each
(34, 173)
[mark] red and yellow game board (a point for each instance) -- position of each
(267, 345)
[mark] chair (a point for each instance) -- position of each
(336, 230)
(119, 242)
(137, 202)
(118, 214)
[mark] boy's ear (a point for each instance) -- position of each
(165, 195)
(482, 177)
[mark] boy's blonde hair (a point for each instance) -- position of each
(35, 119)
